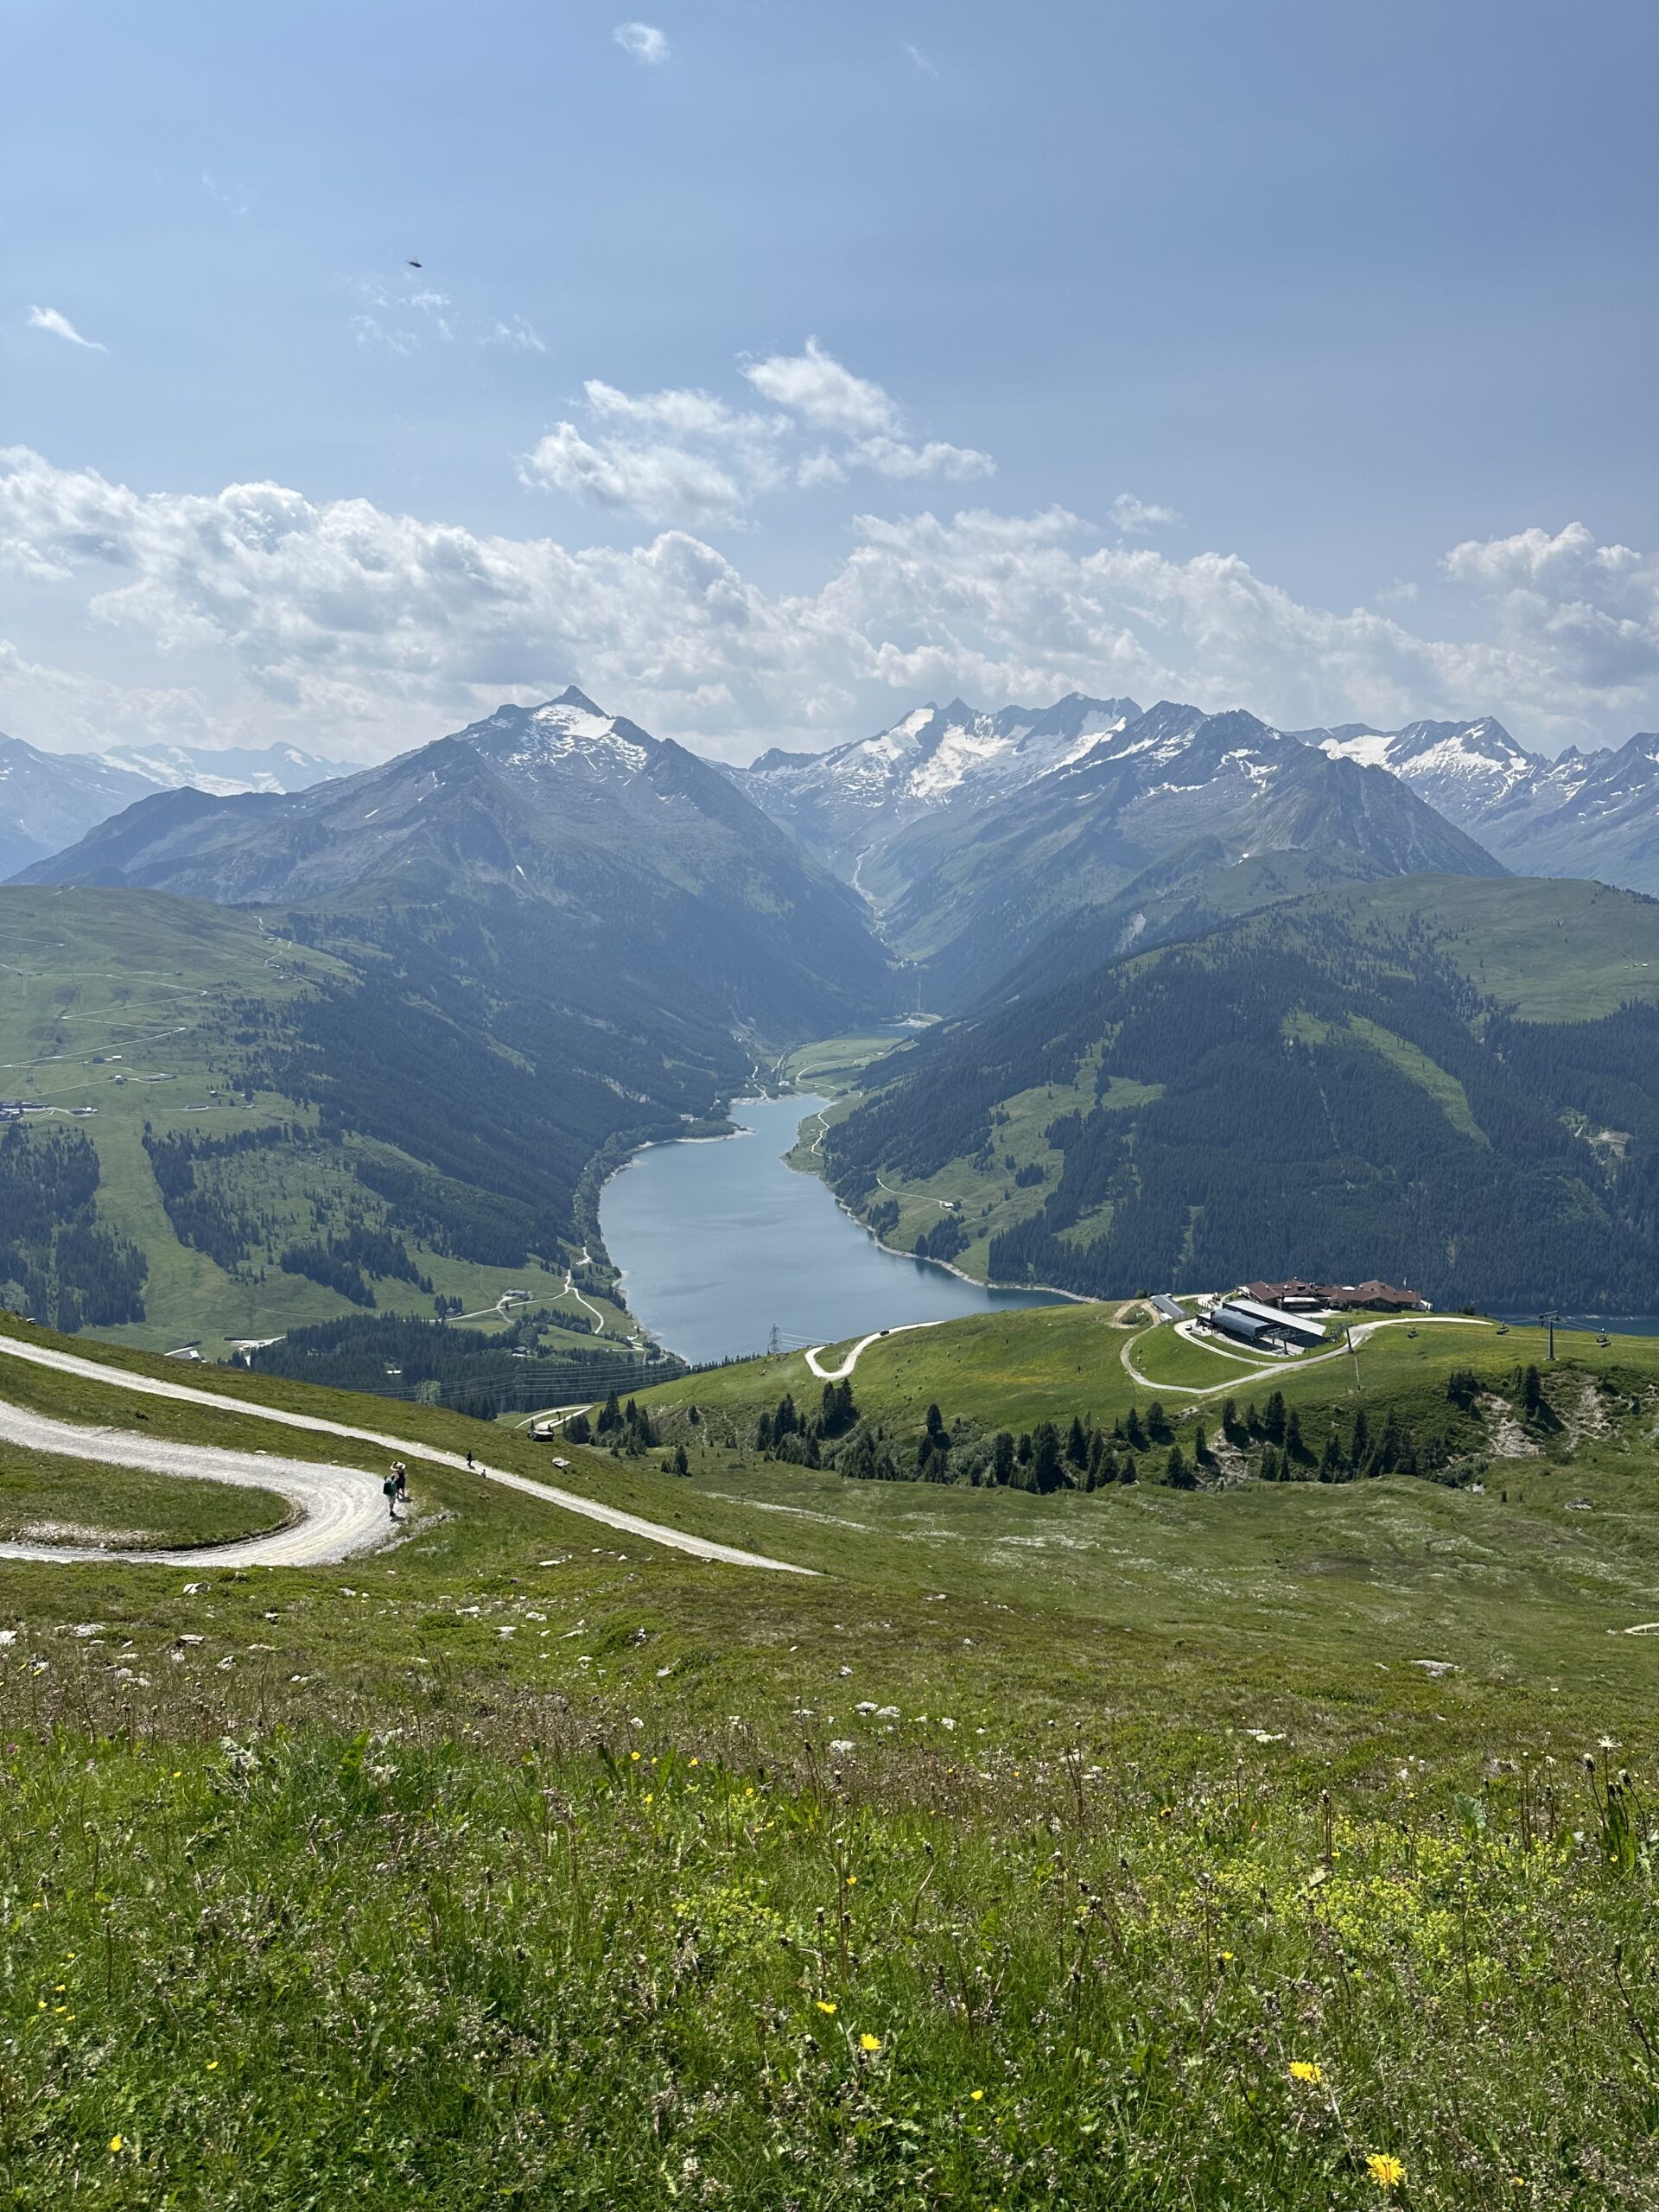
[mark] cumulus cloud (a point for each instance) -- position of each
(1136, 516)
(59, 326)
(815, 386)
(644, 41)
(363, 631)
(684, 454)
(657, 480)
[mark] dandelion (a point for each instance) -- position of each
(1385, 2171)
(827, 2009)
(117, 2142)
(976, 2096)
(1303, 2069)
(869, 2043)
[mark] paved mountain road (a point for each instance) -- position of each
(345, 1483)
(1362, 1333)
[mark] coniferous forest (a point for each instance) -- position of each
(1314, 1097)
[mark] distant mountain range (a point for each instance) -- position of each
(978, 835)
(48, 800)
(650, 881)
(845, 804)
(1586, 814)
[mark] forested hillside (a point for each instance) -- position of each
(1453, 1086)
(404, 1116)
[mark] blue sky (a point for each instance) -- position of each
(771, 368)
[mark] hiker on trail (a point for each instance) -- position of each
(469, 1458)
(402, 1473)
(389, 1491)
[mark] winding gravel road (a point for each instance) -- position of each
(840, 1374)
(333, 1494)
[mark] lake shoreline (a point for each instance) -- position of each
(711, 1261)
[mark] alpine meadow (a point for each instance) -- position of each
(830, 1111)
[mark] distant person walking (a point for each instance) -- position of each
(389, 1491)
(402, 1473)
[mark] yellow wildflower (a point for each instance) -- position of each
(827, 2009)
(117, 2143)
(1384, 2170)
(1303, 2069)
(869, 2043)
(976, 2096)
(212, 2066)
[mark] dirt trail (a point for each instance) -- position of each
(94, 1444)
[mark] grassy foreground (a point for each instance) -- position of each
(513, 1868)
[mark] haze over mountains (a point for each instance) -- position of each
(552, 935)
(638, 857)
(1589, 814)
(48, 800)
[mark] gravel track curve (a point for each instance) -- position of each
(94, 1444)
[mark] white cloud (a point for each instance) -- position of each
(814, 385)
(657, 480)
(928, 67)
(682, 454)
(1596, 607)
(362, 632)
(514, 332)
(1137, 516)
(60, 327)
(401, 322)
(644, 41)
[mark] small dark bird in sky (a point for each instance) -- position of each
(414, 264)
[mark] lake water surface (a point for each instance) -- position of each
(719, 1242)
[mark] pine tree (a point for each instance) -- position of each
(1360, 1443)
(1133, 1431)
(1272, 1420)
(1047, 1473)
(1158, 1427)
(682, 1465)
(1002, 1456)
(1294, 1447)
(1332, 1465)
(1177, 1474)
(1077, 1444)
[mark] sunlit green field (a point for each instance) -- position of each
(1233, 1848)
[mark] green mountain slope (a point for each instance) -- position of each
(1446, 1081)
(283, 1135)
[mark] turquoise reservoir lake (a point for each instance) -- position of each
(719, 1242)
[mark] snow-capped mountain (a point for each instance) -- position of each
(1463, 769)
(844, 802)
(1587, 814)
(48, 799)
(974, 894)
(225, 773)
(560, 829)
